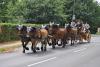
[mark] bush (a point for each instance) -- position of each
(8, 31)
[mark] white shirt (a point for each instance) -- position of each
(73, 24)
(87, 26)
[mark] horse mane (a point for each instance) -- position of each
(47, 27)
(33, 29)
(55, 26)
(69, 26)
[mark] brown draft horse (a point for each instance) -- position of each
(83, 35)
(38, 35)
(71, 34)
(22, 33)
(56, 34)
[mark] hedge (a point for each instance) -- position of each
(8, 31)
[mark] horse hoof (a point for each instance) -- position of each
(27, 48)
(59, 44)
(34, 51)
(53, 47)
(23, 51)
(72, 45)
(63, 46)
(41, 48)
(45, 49)
(37, 48)
(50, 44)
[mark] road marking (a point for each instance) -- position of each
(41, 61)
(80, 50)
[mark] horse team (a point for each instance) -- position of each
(52, 34)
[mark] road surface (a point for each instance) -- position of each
(80, 55)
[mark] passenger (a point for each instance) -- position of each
(87, 26)
(73, 24)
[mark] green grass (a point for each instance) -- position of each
(98, 33)
(2, 50)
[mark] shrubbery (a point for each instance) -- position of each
(8, 31)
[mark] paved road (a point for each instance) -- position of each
(84, 55)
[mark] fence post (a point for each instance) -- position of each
(98, 30)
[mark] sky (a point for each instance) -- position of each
(98, 1)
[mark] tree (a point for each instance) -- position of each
(16, 10)
(3, 7)
(87, 10)
(46, 10)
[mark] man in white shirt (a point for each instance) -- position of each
(73, 24)
(86, 26)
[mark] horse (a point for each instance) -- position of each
(56, 34)
(22, 33)
(36, 36)
(71, 34)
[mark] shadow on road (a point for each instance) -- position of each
(51, 51)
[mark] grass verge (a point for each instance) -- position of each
(9, 49)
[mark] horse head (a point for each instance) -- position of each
(21, 29)
(79, 28)
(31, 31)
(43, 26)
(66, 25)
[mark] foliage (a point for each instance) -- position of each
(9, 31)
(43, 11)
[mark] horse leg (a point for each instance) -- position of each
(26, 45)
(71, 42)
(49, 41)
(42, 46)
(45, 46)
(23, 46)
(53, 44)
(33, 47)
(64, 43)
